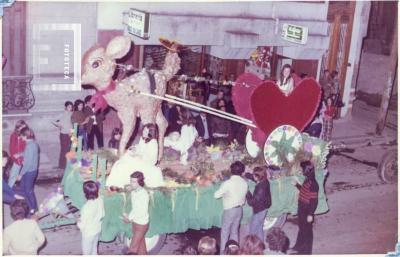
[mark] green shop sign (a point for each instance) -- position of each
(138, 23)
(294, 33)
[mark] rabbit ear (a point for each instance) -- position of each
(118, 47)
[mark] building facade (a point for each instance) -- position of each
(36, 36)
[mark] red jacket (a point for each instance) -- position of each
(330, 112)
(17, 145)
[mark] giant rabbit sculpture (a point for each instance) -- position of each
(98, 67)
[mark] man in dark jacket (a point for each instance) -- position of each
(95, 125)
(260, 201)
(203, 127)
(308, 201)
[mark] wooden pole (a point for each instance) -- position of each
(274, 63)
(347, 44)
(389, 85)
(334, 44)
(202, 61)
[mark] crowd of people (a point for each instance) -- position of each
(210, 129)
(184, 127)
(322, 123)
(276, 243)
(22, 162)
(234, 193)
(21, 166)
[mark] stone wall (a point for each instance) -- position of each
(232, 29)
(49, 104)
(372, 78)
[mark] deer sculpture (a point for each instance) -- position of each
(98, 67)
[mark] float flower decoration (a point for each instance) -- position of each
(283, 149)
(234, 145)
(233, 152)
(263, 57)
(55, 204)
(74, 140)
(316, 150)
(214, 151)
(71, 156)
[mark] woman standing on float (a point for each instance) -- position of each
(286, 82)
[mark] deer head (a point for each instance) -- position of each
(98, 64)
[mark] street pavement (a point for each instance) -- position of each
(363, 215)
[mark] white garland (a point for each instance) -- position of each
(184, 77)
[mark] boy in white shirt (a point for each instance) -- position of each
(92, 213)
(139, 215)
(233, 193)
(23, 236)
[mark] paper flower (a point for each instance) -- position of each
(85, 162)
(234, 145)
(54, 203)
(213, 149)
(308, 147)
(70, 155)
(316, 150)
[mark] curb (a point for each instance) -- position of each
(50, 174)
(365, 140)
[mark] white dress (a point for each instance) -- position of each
(182, 142)
(143, 159)
(286, 88)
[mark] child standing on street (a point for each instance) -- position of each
(65, 126)
(23, 236)
(327, 124)
(30, 167)
(17, 147)
(92, 213)
(307, 204)
(139, 215)
(260, 201)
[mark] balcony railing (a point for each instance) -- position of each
(17, 94)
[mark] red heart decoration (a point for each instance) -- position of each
(245, 84)
(271, 108)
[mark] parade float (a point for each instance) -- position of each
(185, 200)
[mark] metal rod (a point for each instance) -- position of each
(208, 108)
(199, 109)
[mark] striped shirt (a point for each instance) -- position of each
(308, 191)
(308, 196)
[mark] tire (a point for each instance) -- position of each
(270, 222)
(153, 244)
(387, 169)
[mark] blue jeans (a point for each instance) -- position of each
(14, 172)
(89, 244)
(27, 184)
(257, 223)
(230, 226)
(8, 194)
(82, 132)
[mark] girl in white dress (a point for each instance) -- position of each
(143, 158)
(286, 82)
(183, 142)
